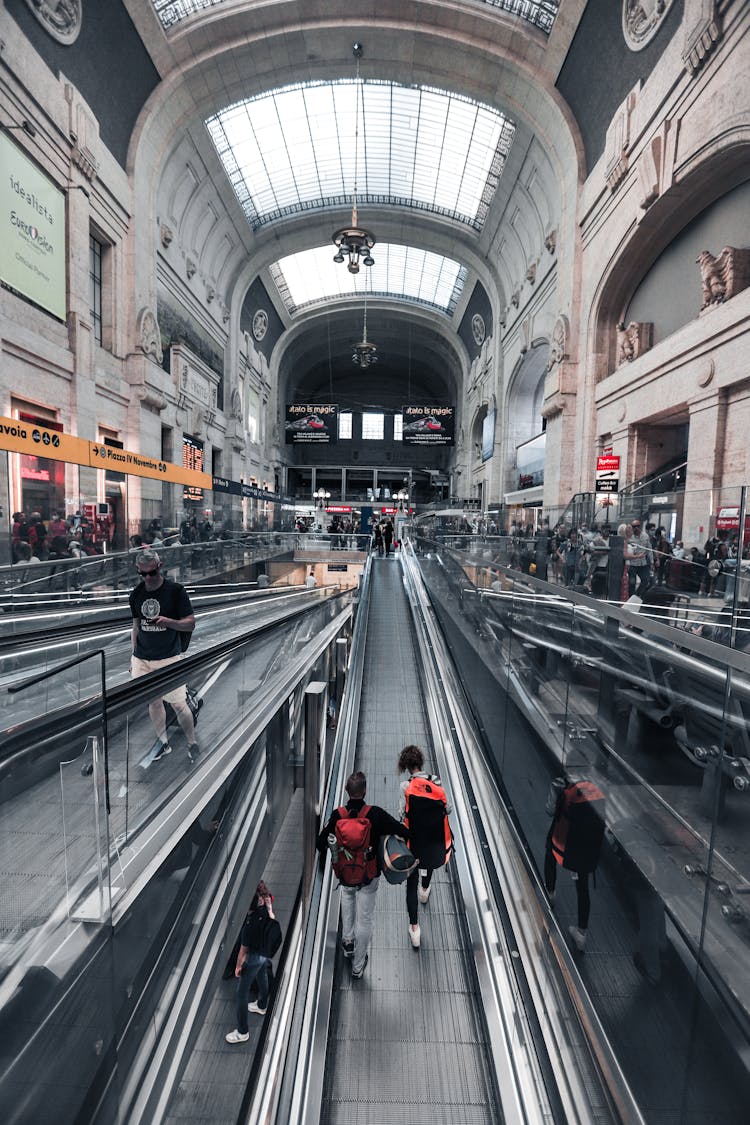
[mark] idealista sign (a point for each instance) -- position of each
(32, 231)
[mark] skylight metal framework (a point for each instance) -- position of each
(290, 150)
(311, 277)
(539, 13)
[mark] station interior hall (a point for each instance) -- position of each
(403, 346)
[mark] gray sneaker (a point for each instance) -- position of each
(165, 749)
(579, 938)
(361, 973)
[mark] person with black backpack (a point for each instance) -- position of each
(352, 835)
(574, 842)
(424, 811)
(260, 941)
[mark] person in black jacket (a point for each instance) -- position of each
(253, 966)
(358, 903)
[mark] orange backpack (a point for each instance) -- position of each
(426, 819)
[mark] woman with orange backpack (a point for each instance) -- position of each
(424, 811)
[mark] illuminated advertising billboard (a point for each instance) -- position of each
(311, 423)
(428, 425)
(530, 462)
(32, 231)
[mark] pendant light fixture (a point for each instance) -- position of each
(354, 242)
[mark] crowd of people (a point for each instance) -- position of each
(34, 541)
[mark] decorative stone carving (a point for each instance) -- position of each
(724, 276)
(551, 241)
(641, 19)
(478, 329)
(632, 340)
(190, 268)
(516, 299)
(560, 342)
(210, 294)
(618, 141)
(236, 404)
(166, 234)
(707, 373)
(621, 412)
(531, 273)
(149, 396)
(84, 134)
(149, 337)
(656, 163)
(503, 317)
(60, 18)
(260, 324)
(525, 334)
(703, 30)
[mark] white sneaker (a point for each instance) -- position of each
(415, 935)
(255, 1007)
(579, 938)
(237, 1037)
(423, 893)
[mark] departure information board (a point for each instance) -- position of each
(192, 458)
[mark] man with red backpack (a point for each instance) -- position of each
(352, 834)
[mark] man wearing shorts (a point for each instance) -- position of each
(161, 610)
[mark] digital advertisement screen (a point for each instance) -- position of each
(530, 461)
(311, 423)
(32, 231)
(488, 435)
(428, 425)
(192, 458)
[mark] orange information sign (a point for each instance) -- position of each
(136, 464)
(37, 441)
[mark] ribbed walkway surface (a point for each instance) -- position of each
(407, 1043)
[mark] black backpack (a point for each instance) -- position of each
(270, 940)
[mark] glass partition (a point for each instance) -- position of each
(117, 866)
(636, 702)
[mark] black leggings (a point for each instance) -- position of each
(412, 902)
(582, 884)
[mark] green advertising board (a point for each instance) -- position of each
(32, 231)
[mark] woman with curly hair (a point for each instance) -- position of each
(424, 811)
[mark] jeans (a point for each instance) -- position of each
(357, 919)
(412, 882)
(256, 968)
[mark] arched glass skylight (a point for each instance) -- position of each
(312, 276)
(541, 13)
(292, 149)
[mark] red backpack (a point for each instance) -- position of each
(356, 861)
(578, 829)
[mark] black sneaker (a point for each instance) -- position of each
(347, 948)
(193, 751)
(165, 749)
(361, 973)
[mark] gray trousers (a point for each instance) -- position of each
(358, 918)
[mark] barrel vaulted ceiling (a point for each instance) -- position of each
(460, 139)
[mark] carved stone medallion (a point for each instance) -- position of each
(148, 335)
(60, 18)
(641, 19)
(260, 324)
(478, 329)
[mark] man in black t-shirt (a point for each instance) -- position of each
(161, 611)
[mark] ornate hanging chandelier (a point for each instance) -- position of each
(364, 354)
(354, 242)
